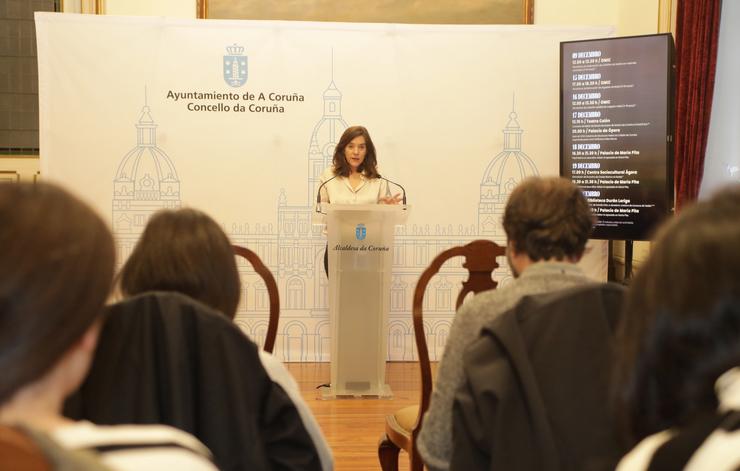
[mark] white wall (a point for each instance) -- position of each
(630, 17)
(174, 8)
(722, 160)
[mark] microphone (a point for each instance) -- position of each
(318, 194)
(403, 198)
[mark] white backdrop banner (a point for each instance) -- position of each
(239, 118)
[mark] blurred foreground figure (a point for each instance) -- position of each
(56, 268)
(678, 376)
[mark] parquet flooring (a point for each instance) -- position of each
(353, 426)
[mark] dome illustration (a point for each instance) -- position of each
(502, 175)
(324, 138)
(145, 181)
(146, 172)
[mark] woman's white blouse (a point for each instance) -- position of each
(339, 191)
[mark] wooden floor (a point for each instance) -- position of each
(353, 426)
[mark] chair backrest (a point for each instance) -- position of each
(480, 261)
(272, 291)
(19, 451)
(26, 449)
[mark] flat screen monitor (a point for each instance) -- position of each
(616, 130)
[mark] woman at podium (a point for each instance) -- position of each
(353, 177)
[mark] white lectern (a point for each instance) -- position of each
(360, 244)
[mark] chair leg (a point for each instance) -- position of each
(388, 454)
(415, 461)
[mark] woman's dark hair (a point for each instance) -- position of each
(548, 219)
(185, 251)
(368, 166)
(681, 325)
(56, 267)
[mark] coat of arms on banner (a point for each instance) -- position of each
(360, 232)
(235, 66)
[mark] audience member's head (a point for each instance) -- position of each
(56, 267)
(546, 219)
(681, 325)
(186, 251)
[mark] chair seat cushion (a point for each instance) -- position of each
(406, 417)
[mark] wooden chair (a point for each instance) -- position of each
(403, 427)
(25, 449)
(19, 451)
(272, 291)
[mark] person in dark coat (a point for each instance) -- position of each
(536, 386)
(164, 358)
(185, 251)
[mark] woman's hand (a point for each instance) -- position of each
(395, 199)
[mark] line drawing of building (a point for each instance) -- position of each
(145, 182)
(293, 248)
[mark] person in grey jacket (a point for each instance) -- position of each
(547, 223)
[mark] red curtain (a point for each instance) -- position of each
(697, 33)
